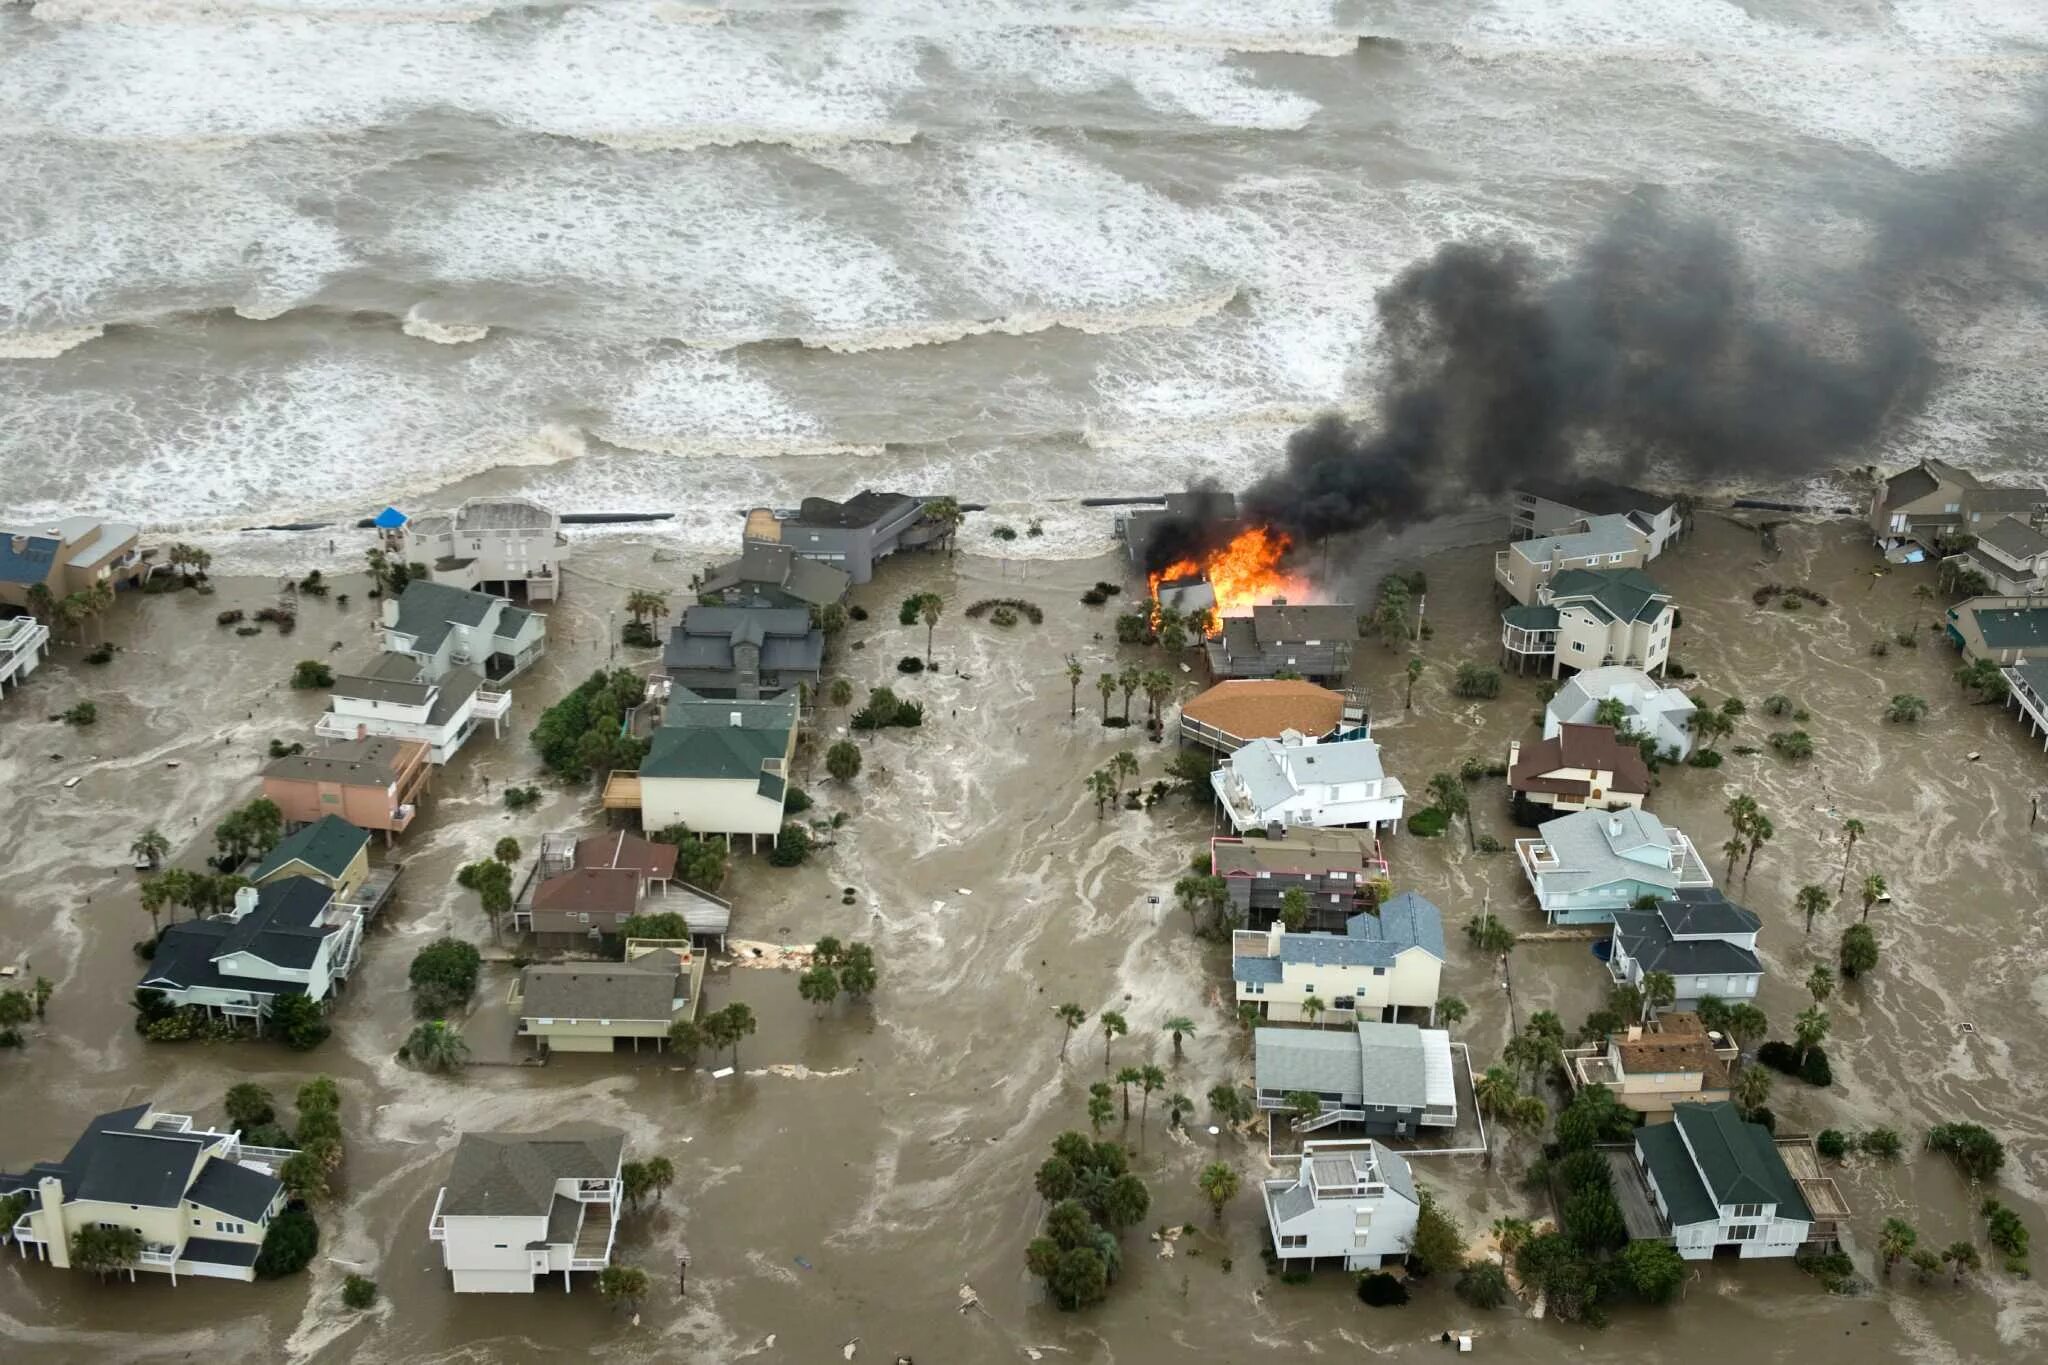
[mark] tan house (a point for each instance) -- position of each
(1381, 964)
(1932, 502)
(1609, 542)
(1591, 618)
(1653, 1068)
(201, 1200)
(67, 555)
(1583, 767)
(373, 783)
(720, 767)
(590, 1006)
(330, 851)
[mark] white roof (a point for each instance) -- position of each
(1440, 1083)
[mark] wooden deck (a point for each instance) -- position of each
(622, 790)
(595, 1234)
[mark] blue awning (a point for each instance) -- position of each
(391, 518)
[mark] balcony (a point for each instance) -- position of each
(158, 1256)
(437, 1226)
(1537, 856)
(1500, 569)
(491, 705)
(1522, 640)
(622, 790)
(401, 817)
(331, 726)
(597, 1191)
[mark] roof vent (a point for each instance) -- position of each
(736, 719)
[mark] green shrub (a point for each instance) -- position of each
(638, 635)
(792, 846)
(291, 1243)
(358, 1292)
(519, 798)
(1486, 843)
(312, 673)
(1704, 758)
(1428, 822)
(1476, 681)
(1883, 1143)
(298, 1022)
(1780, 1057)
(83, 714)
(1832, 1144)
(1484, 1284)
(910, 663)
(1814, 1068)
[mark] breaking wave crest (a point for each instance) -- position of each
(46, 345)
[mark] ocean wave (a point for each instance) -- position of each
(230, 11)
(699, 136)
(698, 446)
(46, 345)
(1092, 322)
(441, 333)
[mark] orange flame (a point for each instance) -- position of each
(1243, 574)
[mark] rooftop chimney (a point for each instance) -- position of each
(245, 900)
(736, 720)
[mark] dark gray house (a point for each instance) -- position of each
(745, 653)
(1334, 868)
(1314, 642)
(848, 535)
(768, 575)
(1208, 511)
(1391, 1080)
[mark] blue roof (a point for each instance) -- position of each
(32, 564)
(1407, 921)
(390, 518)
(1252, 970)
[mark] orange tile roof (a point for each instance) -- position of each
(1260, 708)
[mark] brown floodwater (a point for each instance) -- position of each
(866, 1176)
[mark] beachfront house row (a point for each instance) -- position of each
(68, 555)
(853, 535)
(518, 1206)
(744, 652)
(1647, 707)
(330, 851)
(1538, 507)
(395, 698)
(201, 1200)
(1297, 781)
(1588, 618)
(293, 936)
(770, 575)
(495, 542)
(2005, 630)
(718, 767)
(1584, 767)
(445, 628)
(1609, 542)
(1339, 871)
(1585, 866)
(1391, 1080)
(1653, 1068)
(1312, 642)
(371, 783)
(24, 643)
(1721, 1185)
(1381, 964)
(1357, 1205)
(590, 1006)
(1231, 714)
(1918, 512)
(1705, 942)
(2011, 555)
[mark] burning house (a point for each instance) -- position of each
(1199, 555)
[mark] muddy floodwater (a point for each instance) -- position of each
(864, 1179)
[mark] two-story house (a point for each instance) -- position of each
(1539, 507)
(1336, 869)
(2012, 556)
(590, 1006)
(771, 575)
(202, 1201)
(1918, 511)
(1232, 713)
(24, 643)
(1608, 542)
(1585, 866)
(518, 1206)
(68, 555)
(394, 697)
(371, 783)
(1652, 1068)
(1583, 767)
(1296, 781)
(744, 652)
(2005, 630)
(1588, 618)
(1380, 965)
(719, 767)
(288, 937)
(1721, 1185)
(1391, 1080)
(444, 628)
(1312, 642)
(1357, 1205)
(330, 851)
(852, 535)
(1648, 708)
(1705, 942)
(499, 542)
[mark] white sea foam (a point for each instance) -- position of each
(45, 345)
(441, 333)
(228, 11)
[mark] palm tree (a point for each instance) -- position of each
(1760, 831)
(1100, 1107)
(1733, 848)
(1451, 1010)
(1122, 764)
(1510, 1233)
(1852, 830)
(1874, 890)
(1895, 1240)
(1820, 983)
(1311, 1006)
(1747, 1024)
(1496, 1091)
(1112, 1025)
(1106, 685)
(1179, 1026)
(1810, 1028)
(1811, 901)
(41, 603)
(929, 610)
(1102, 786)
(1072, 1016)
(1447, 794)
(1128, 682)
(1158, 686)
(1074, 672)
(1659, 989)
(149, 847)
(946, 513)
(1293, 909)
(646, 603)
(1150, 1078)
(1414, 676)
(436, 1045)
(1961, 1256)
(72, 609)
(1219, 1184)
(1248, 1015)
(1752, 1089)
(99, 599)
(1126, 1077)
(1178, 1107)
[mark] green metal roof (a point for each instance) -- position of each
(1628, 594)
(1685, 1199)
(1531, 618)
(2012, 627)
(1738, 1160)
(328, 846)
(719, 739)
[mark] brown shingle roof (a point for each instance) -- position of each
(645, 856)
(1260, 708)
(593, 890)
(1663, 1052)
(1593, 747)
(351, 762)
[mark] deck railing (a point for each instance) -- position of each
(437, 1226)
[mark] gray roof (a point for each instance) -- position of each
(649, 987)
(1260, 767)
(706, 637)
(238, 1191)
(511, 621)
(2014, 538)
(502, 514)
(1909, 485)
(283, 930)
(865, 508)
(391, 677)
(1593, 849)
(1381, 1063)
(1257, 970)
(1645, 937)
(427, 611)
(1274, 625)
(1292, 1202)
(213, 1251)
(1604, 535)
(1597, 496)
(1394, 1171)
(507, 1175)
(1702, 910)
(370, 762)
(1299, 851)
(115, 1162)
(778, 567)
(1407, 921)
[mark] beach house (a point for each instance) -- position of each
(1541, 507)
(395, 697)
(444, 628)
(1705, 942)
(520, 1206)
(1590, 619)
(1722, 1187)
(591, 1006)
(852, 536)
(330, 851)
(1586, 866)
(1339, 871)
(374, 784)
(719, 767)
(1353, 1204)
(1647, 707)
(744, 652)
(1654, 1067)
(1231, 714)
(772, 575)
(24, 643)
(490, 543)
(1391, 1080)
(1920, 512)
(292, 936)
(1606, 542)
(1381, 964)
(1312, 642)
(1297, 781)
(67, 555)
(1582, 767)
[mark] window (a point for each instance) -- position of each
(1744, 1232)
(1288, 1243)
(499, 1245)
(1614, 559)
(222, 1225)
(1579, 646)
(1747, 1211)
(1379, 971)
